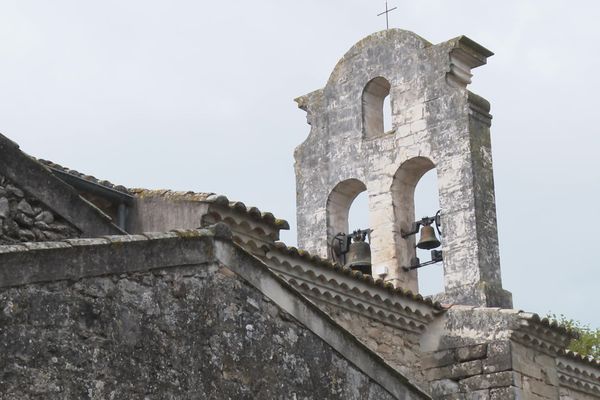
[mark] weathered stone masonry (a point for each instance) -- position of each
(168, 316)
(24, 219)
(436, 122)
(36, 183)
(488, 353)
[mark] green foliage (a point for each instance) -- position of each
(588, 343)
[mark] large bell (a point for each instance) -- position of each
(358, 257)
(428, 239)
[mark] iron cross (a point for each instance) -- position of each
(386, 12)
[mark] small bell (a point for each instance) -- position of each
(428, 239)
(358, 257)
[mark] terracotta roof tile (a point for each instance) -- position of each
(368, 279)
(220, 200)
(57, 167)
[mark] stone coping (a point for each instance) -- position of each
(532, 320)
(540, 332)
(218, 200)
(74, 259)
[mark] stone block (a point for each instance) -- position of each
(456, 371)
(45, 217)
(540, 388)
(25, 207)
(508, 393)
(454, 396)
(14, 191)
(440, 373)
(490, 381)
(466, 369)
(499, 357)
(471, 352)
(438, 358)
(4, 207)
(443, 387)
(478, 395)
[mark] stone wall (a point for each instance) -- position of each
(196, 332)
(179, 315)
(24, 219)
(400, 348)
(489, 353)
(481, 371)
(508, 370)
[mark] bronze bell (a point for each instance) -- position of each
(428, 239)
(358, 257)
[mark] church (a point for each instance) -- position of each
(109, 292)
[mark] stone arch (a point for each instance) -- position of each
(403, 200)
(373, 97)
(339, 202)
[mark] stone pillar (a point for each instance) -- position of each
(466, 189)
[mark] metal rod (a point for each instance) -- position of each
(412, 267)
(387, 12)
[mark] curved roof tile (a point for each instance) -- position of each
(368, 279)
(219, 200)
(89, 178)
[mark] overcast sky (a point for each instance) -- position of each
(197, 95)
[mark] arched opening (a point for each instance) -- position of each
(387, 113)
(431, 277)
(410, 205)
(358, 216)
(373, 103)
(339, 202)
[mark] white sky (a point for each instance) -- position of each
(197, 95)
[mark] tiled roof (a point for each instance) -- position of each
(585, 359)
(220, 200)
(57, 167)
(548, 323)
(368, 279)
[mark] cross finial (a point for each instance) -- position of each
(386, 12)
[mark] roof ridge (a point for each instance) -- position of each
(90, 178)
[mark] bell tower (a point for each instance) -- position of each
(436, 123)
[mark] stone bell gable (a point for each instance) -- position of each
(436, 123)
